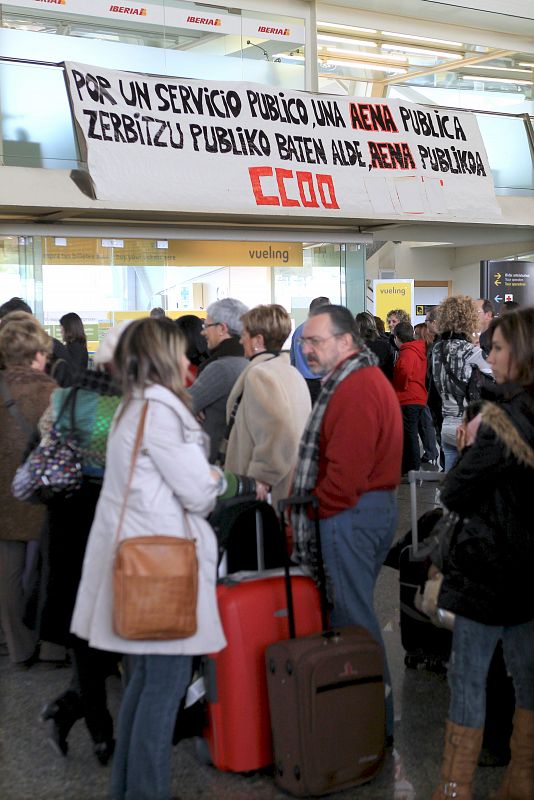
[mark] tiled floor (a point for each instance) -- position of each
(30, 769)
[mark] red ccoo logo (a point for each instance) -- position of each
(136, 12)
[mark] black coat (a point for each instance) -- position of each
(385, 354)
(489, 575)
(59, 366)
(78, 357)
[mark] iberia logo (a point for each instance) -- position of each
(214, 21)
(275, 31)
(136, 12)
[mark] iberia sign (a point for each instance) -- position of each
(172, 17)
(134, 11)
(205, 146)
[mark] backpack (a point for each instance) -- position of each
(472, 389)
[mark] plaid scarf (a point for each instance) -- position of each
(308, 460)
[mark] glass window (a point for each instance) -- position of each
(104, 280)
(30, 135)
(511, 166)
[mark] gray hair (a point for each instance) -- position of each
(230, 312)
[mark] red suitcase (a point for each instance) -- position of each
(254, 614)
(326, 697)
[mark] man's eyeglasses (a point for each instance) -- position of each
(209, 325)
(315, 341)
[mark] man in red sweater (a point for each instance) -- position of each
(409, 382)
(350, 458)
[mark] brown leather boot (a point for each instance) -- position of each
(518, 783)
(462, 746)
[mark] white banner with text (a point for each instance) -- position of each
(205, 146)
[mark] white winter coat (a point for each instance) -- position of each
(172, 474)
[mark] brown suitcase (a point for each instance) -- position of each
(326, 700)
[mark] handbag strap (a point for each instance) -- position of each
(135, 453)
(223, 444)
(69, 401)
(14, 410)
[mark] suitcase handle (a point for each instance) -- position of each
(413, 477)
(303, 500)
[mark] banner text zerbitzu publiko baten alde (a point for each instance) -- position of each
(204, 146)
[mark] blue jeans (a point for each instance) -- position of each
(142, 761)
(451, 455)
(354, 544)
(473, 644)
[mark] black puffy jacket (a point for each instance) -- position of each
(490, 573)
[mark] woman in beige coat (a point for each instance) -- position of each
(271, 404)
(173, 489)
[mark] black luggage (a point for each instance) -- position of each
(238, 523)
(326, 700)
(424, 643)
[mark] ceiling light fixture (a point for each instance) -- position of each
(486, 78)
(499, 69)
(377, 56)
(420, 38)
(405, 48)
(321, 37)
(339, 26)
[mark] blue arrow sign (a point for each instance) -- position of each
(498, 298)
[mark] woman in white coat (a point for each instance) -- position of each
(173, 489)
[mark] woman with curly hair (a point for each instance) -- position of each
(453, 358)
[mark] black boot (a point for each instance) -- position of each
(100, 726)
(62, 713)
(104, 750)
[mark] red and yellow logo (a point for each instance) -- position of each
(54, 2)
(136, 12)
(276, 31)
(214, 21)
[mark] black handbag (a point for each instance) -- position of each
(445, 530)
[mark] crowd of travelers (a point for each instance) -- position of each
(171, 416)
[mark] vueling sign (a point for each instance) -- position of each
(136, 12)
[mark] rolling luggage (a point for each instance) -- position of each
(326, 698)
(424, 643)
(253, 609)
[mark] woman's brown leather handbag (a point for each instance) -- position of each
(155, 578)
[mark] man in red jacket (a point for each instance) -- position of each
(350, 458)
(409, 382)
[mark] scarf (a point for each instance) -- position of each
(308, 460)
(228, 347)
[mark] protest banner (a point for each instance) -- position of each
(213, 147)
